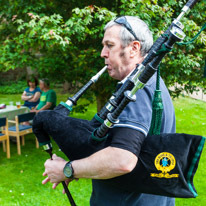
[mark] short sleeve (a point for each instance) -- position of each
(137, 115)
(27, 89)
(51, 96)
(38, 89)
(127, 139)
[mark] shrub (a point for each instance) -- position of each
(13, 87)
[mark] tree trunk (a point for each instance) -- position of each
(30, 71)
(118, 4)
(101, 101)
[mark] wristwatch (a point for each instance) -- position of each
(68, 170)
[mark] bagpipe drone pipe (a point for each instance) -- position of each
(167, 162)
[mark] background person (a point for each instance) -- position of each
(32, 93)
(126, 41)
(48, 97)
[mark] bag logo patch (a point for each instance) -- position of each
(164, 162)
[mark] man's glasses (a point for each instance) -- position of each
(123, 21)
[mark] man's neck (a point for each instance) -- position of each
(132, 68)
(133, 65)
(45, 89)
(124, 79)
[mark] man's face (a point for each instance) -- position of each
(116, 57)
(41, 85)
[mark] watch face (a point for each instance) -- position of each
(68, 170)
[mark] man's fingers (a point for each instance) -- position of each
(54, 156)
(55, 185)
(45, 180)
(63, 191)
(47, 162)
(54, 169)
(67, 181)
(44, 174)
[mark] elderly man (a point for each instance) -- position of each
(126, 41)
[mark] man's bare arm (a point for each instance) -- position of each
(46, 106)
(104, 164)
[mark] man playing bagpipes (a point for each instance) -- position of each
(130, 147)
(126, 41)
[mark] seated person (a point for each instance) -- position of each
(32, 93)
(48, 97)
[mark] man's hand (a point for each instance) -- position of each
(54, 171)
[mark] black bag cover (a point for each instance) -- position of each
(166, 166)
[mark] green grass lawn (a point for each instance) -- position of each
(191, 119)
(21, 176)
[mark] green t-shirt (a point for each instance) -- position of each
(49, 96)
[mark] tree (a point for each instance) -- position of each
(62, 39)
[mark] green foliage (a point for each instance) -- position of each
(62, 39)
(45, 41)
(13, 87)
(184, 65)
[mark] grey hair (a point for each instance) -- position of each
(141, 30)
(45, 81)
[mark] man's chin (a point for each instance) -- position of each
(111, 74)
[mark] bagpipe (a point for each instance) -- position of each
(167, 162)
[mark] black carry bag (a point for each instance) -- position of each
(166, 166)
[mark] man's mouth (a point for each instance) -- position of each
(109, 67)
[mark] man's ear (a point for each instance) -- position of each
(135, 48)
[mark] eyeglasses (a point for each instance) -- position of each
(123, 21)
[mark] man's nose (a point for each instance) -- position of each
(104, 53)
